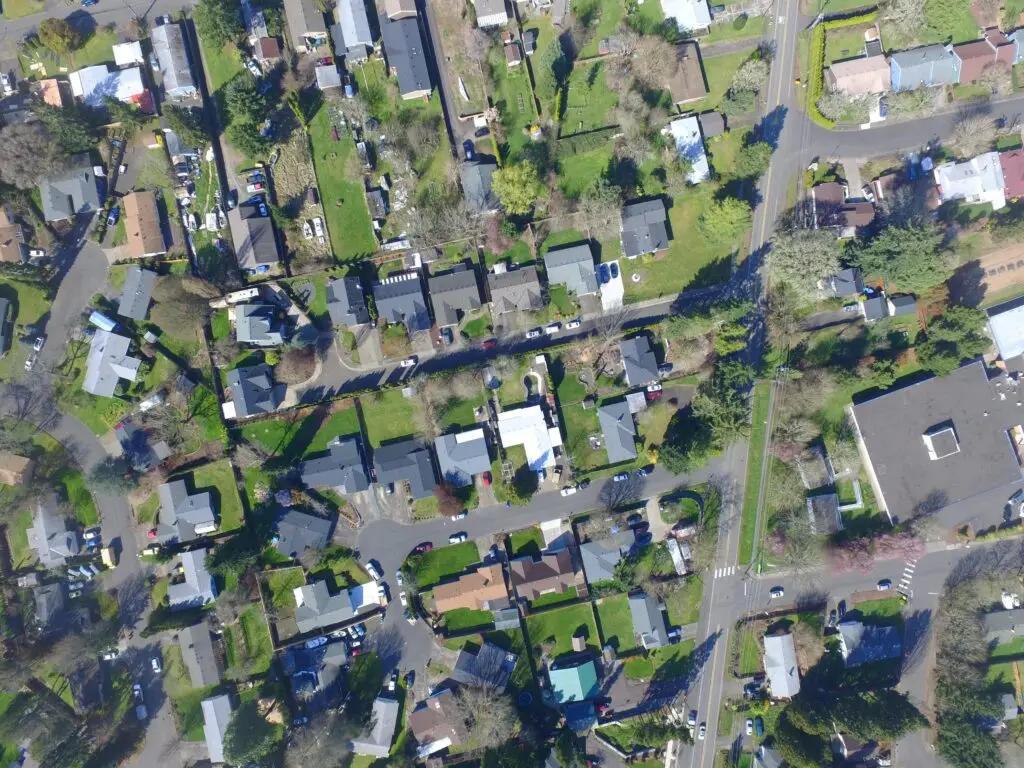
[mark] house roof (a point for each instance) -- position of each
(643, 227)
(14, 469)
(399, 299)
(529, 428)
(648, 621)
(485, 8)
(513, 53)
(780, 666)
(823, 513)
(861, 643)
(768, 757)
(690, 146)
(476, 178)
(489, 667)
(533, 576)
(687, 84)
(108, 363)
(267, 49)
(197, 652)
(409, 461)
(403, 47)
(976, 56)
(902, 305)
(902, 427)
(253, 236)
(858, 214)
(460, 455)
(142, 224)
(136, 293)
(475, 590)
(573, 683)
(453, 292)
(49, 600)
(346, 302)
(172, 56)
(600, 557)
(641, 366)
(94, 84)
(377, 740)
(875, 308)
(12, 239)
(298, 531)
(316, 607)
(49, 92)
(711, 124)
(437, 719)
(1006, 321)
(49, 535)
(327, 76)
(1012, 163)
(979, 176)
(198, 588)
(860, 77)
(354, 23)
(343, 468)
(377, 202)
(515, 290)
(573, 267)
(253, 390)
(183, 512)
(70, 191)
(847, 282)
(400, 9)
(831, 192)
(619, 431)
(257, 324)
(530, 40)
(304, 20)
(690, 15)
(216, 717)
(928, 65)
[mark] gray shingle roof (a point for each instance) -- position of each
(461, 455)
(257, 324)
(216, 716)
(181, 512)
(403, 48)
(354, 23)
(70, 191)
(108, 363)
(573, 267)
(643, 228)
(648, 621)
(823, 513)
(304, 20)
(197, 652)
(298, 531)
(515, 290)
(780, 665)
(319, 608)
(476, 185)
(489, 667)
(49, 535)
(377, 740)
(641, 366)
(861, 643)
(399, 299)
(171, 54)
(198, 589)
(452, 293)
(253, 236)
(49, 600)
(253, 390)
(600, 557)
(619, 431)
(847, 282)
(406, 460)
(1003, 626)
(346, 302)
(903, 305)
(136, 294)
(343, 468)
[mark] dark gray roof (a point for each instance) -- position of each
(253, 390)
(823, 513)
(49, 600)
(600, 557)
(70, 191)
(253, 236)
(641, 366)
(648, 621)
(643, 227)
(490, 667)
(515, 290)
(49, 535)
(406, 460)
(461, 455)
(136, 446)
(257, 324)
(403, 48)
(108, 363)
(171, 54)
(198, 588)
(711, 124)
(454, 292)
(297, 532)
(875, 308)
(619, 431)
(476, 185)
(1003, 626)
(399, 299)
(197, 652)
(862, 643)
(573, 267)
(136, 294)
(903, 305)
(343, 468)
(346, 301)
(182, 512)
(319, 608)
(847, 282)
(903, 428)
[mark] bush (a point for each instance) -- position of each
(585, 142)
(740, 22)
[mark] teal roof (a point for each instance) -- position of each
(573, 683)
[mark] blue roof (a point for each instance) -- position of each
(573, 683)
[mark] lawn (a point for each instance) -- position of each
(220, 324)
(479, 327)
(388, 416)
(749, 661)
(755, 461)
(553, 631)
(219, 479)
(98, 48)
(514, 100)
(577, 173)
(430, 568)
(15, 9)
(282, 585)
(1000, 677)
(580, 423)
(461, 412)
(616, 623)
(669, 663)
(79, 497)
(683, 605)
(29, 303)
(724, 31)
(588, 101)
(528, 541)
(718, 71)
(886, 610)
(844, 43)
(1009, 650)
(462, 619)
(249, 647)
(59, 684)
(554, 598)
(603, 17)
(17, 540)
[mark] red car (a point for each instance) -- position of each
(426, 546)
(489, 344)
(652, 396)
(151, 533)
(486, 477)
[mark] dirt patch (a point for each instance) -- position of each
(989, 274)
(293, 177)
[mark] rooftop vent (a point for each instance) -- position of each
(941, 441)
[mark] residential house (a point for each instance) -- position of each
(687, 83)
(923, 67)
(315, 674)
(216, 718)
(142, 224)
(400, 9)
(436, 724)
(619, 431)
(108, 363)
(254, 238)
(846, 283)
(298, 531)
(50, 601)
(306, 26)
(71, 191)
(172, 57)
(13, 249)
(461, 455)
(257, 324)
(136, 294)
(406, 461)
(514, 290)
(865, 76)
(823, 514)
(93, 85)
(545, 574)
(346, 302)
(601, 557)
(711, 124)
(901, 305)
(343, 468)
(490, 13)
(14, 469)
(1006, 324)
(251, 391)
(856, 215)
(489, 667)
(643, 228)
(1012, 163)
(874, 308)
(354, 29)
(482, 589)
(136, 448)
(638, 361)
(327, 76)
(529, 428)
(530, 41)
(827, 200)
(266, 50)
(49, 535)
(399, 299)
(576, 681)
(453, 295)
(780, 666)
(685, 131)
(1003, 627)
(317, 608)
(690, 15)
(197, 653)
(1011, 709)
(476, 178)
(198, 588)
(184, 516)
(376, 741)
(681, 554)
(406, 58)
(864, 643)
(127, 54)
(50, 92)
(513, 54)
(573, 267)
(978, 180)
(994, 49)
(648, 621)
(377, 202)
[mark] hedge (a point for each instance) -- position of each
(579, 143)
(817, 62)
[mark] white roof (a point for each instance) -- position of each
(689, 14)
(216, 716)
(355, 26)
(128, 53)
(690, 145)
(528, 427)
(978, 179)
(1008, 330)
(363, 595)
(780, 665)
(93, 84)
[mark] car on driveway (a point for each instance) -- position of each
(884, 585)
(750, 727)
(635, 519)
(399, 578)
(112, 217)
(553, 328)
(654, 387)
(621, 477)
(409, 362)
(37, 345)
(569, 490)
(777, 592)
(155, 664)
(457, 538)
(534, 334)
(603, 274)
(489, 344)
(404, 599)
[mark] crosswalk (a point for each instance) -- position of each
(908, 574)
(726, 571)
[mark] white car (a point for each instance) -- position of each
(399, 578)
(318, 226)
(30, 362)
(372, 569)
(89, 535)
(155, 663)
(750, 727)
(254, 68)
(553, 328)
(776, 593)
(569, 490)
(409, 362)
(534, 334)
(37, 345)
(572, 325)
(621, 478)
(457, 538)
(316, 642)
(654, 387)
(461, 516)
(703, 731)
(404, 599)
(110, 655)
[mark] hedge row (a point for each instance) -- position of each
(585, 142)
(817, 62)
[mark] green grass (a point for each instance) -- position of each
(426, 509)
(282, 585)
(560, 238)
(257, 649)
(17, 539)
(459, 412)
(479, 327)
(555, 598)
(1008, 650)
(1001, 678)
(220, 325)
(187, 700)
(577, 173)
(388, 416)
(750, 651)
(588, 101)
(79, 496)
(638, 668)
(512, 392)
(514, 100)
(59, 684)
(462, 619)
(556, 629)
(528, 541)
(844, 43)
(836, 6)
(727, 31)
(683, 605)
(29, 303)
(755, 460)
(340, 423)
(97, 49)
(886, 610)
(344, 567)
(616, 623)
(718, 72)
(16, 9)
(606, 14)
(430, 568)
(219, 476)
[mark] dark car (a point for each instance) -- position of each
(469, 149)
(832, 618)
(112, 217)
(448, 336)
(481, 132)
(426, 546)
(643, 539)
(615, 270)
(635, 519)
(410, 678)
(842, 609)
(603, 274)
(584, 483)
(759, 727)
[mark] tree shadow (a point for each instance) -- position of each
(770, 127)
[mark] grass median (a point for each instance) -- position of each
(755, 461)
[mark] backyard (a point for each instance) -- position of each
(291, 438)
(588, 101)
(187, 700)
(388, 415)
(28, 304)
(552, 632)
(616, 623)
(219, 479)
(248, 645)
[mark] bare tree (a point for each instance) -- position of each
(600, 207)
(324, 742)
(33, 404)
(750, 76)
(997, 78)
(654, 61)
(489, 715)
(614, 494)
(972, 134)
(907, 16)
(28, 152)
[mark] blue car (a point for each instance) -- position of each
(615, 270)
(89, 3)
(602, 273)
(115, 212)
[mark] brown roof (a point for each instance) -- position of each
(12, 238)
(512, 54)
(474, 590)
(438, 718)
(859, 77)
(399, 9)
(49, 92)
(142, 225)
(688, 82)
(268, 48)
(858, 214)
(14, 469)
(829, 192)
(1013, 172)
(975, 57)
(533, 577)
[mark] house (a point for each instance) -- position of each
(376, 741)
(136, 294)
(306, 25)
(197, 653)
(72, 191)
(1003, 627)
(327, 76)
(687, 83)
(490, 13)
(461, 455)
(346, 302)
(317, 608)
(257, 324)
(681, 554)
(827, 201)
(406, 461)
(573, 267)
(648, 621)
(50, 601)
(343, 468)
(768, 757)
(254, 239)
(689, 15)
(14, 469)
(453, 295)
(780, 666)
(864, 643)
(490, 667)
(198, 588)
(184, 516)
(923, 67)
(978, 180)
(619, 431)
(476, 590)
(1010, 707)
(266, 50)
(513, 54)
(994, 49)
(108, 363)
(573, 682)
(550, 573)
(711, 124)
(436, 724)
(399, 299)
(901, 305)
(136, 447)
(49, 536)
(93, 85)
(216, 717)
(514, 290)
(638, 361)
(252, 392)
(315, 674)
(354, 27)
(476, 178)
(855, 215)
(406, 59)
(875, 308)
(846, 282)
(685, 131)
(530, 41)
(400, 9)
(172, 58)
(1006, 323)
(601, 557)
(643, 228)
(942, 440)
(529, 428)
(1012, 163)
(865, 76)
(823, 514)
(142, 224)
(298, 531)
(13, 249)
(377, 202)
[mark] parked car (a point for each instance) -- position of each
(884, 584)
(76, 585)
(614, 267)
(404, 599)
(776, 593)
(447, 336)
(654, 387)
(115, 212)
(109, 655)
(7, 83)
(750, 727)
(665, 370)
(457, 538)
(534, 334)
(426, 546)
(31, 361)
(461, 516)
(572, 325)
(37, 345)
(410, 678)
(569, 490)
(855, 307)
(257, 187)
(75, 593)
(652, 396)
(832, 618)
(635, 519)
(621, 477)
(409, 362)
(489, 344)
(298, 722)
(316, 642)
(692, 719)
(155, 664)
(410, 616)
(842, 609)
(140, 703)
(399, 578)
(373, 570)
(759, 726)
(553, 328)
(603, 273)
(703, 731)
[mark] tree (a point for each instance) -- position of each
(738, 102)
(182, 303)
(489, 715)
(66, 125)
(600, 206)
(324, 742)
(218, 22)
(60, 36)
(907, 16)
(441, 215)
(750, 76)
(653, 61)
(997, 78)
(687, 445)
(517, 188)
(249, 736)
(448, 503)
(294, 102)
(113, 476)
(246, 138)
(753, 160)
(955, 336)
(244, 101)
(912, 258)
(799, 748)
(972, 134)
(187, 124)
(835, 104)
(567, 749)
(28, 153)
(703, 320)
(128, 116)
(964, 743)
(725, 220)
(803, 258)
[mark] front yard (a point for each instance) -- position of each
(430, 568)
(388, 415)
(616, 623)
(28, 304)
(219, 479)
(187, 700)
